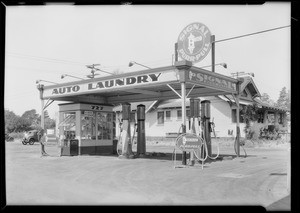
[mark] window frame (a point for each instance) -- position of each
(168, 117)
(159, 121)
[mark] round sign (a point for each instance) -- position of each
(189, 142)
(194, 42)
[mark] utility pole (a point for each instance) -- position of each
(92, 67)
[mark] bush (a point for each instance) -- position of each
(17, 135)
(272, 132)
(253, 131)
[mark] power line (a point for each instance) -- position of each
(54, 60)
(277, 28)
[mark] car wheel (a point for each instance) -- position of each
(24, 142)
(31, 141)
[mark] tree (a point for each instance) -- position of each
(32, 116)
(284, 99)
(49, 123)
(15, 123)
(22, 125)
(250, 114)
(117, 71)
(265, 98)
(11, 120)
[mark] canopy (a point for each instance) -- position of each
(145, 85)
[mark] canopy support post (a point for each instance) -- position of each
(183, 112)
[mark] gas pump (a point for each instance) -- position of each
(193, 125)
(141, 135)
(207, 129)
(205, 117)
(125, 134)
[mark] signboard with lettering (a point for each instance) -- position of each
(88, 114)
(194, 42)
(189, 142)
(211, 80)
(111, 84)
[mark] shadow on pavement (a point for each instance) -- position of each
(171, 157)
(284, 204)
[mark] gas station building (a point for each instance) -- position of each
(89, 116)
(89, 125)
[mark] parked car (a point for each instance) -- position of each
(31, 137)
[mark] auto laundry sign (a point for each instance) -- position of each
(194, 42)
(111, 84)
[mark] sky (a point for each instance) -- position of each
(44, 42)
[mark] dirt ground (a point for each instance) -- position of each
(259, 179)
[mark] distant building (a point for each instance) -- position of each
(163, 117)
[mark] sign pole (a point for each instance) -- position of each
(212, 38)
(176, 52)
(237, 99)
(183, 110)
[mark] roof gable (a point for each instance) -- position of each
(250, 85)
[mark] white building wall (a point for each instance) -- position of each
(159, 130)
(220, 114)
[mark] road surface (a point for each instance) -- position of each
(259, 179)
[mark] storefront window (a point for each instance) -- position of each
(69, 125)
(88, 125)
(104, 125)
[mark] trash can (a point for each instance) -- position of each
(74, 147)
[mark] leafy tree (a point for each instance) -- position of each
(265, 98)
(117, 71)
(284, 99)
(11, 120)
(249, 114)
(49, 123)
(32, 117)
(28, 121)
(15, 123)
(22, 125)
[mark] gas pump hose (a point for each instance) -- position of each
(119, 141)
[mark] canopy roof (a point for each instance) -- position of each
(145, 85)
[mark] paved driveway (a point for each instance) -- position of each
(259, 179)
